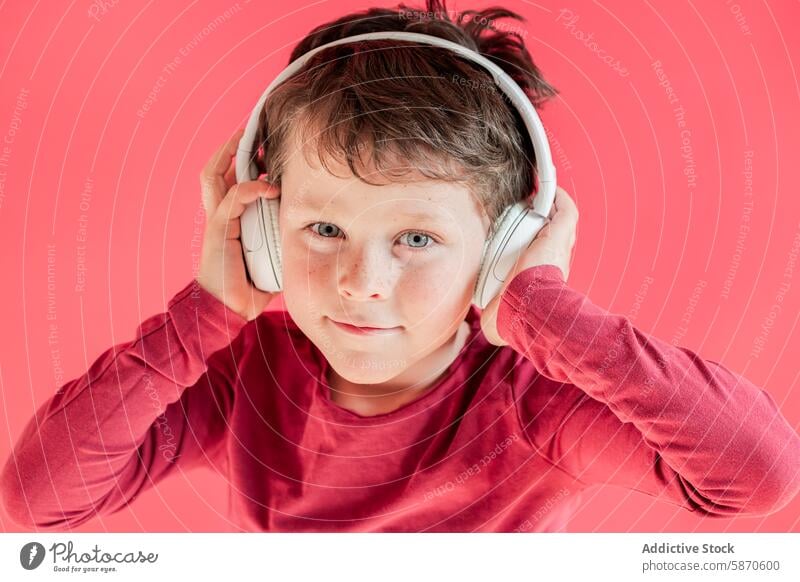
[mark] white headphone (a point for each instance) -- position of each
(515, 228)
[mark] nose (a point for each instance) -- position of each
(365, 271)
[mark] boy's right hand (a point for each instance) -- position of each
(222, 268)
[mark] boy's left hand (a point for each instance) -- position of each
(552, 246)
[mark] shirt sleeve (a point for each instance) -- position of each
(142, 409)
(610, 404)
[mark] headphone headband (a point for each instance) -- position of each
(542, 202)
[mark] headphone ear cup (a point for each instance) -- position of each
(271, 214)
(515, 230)
(482, 267)
(501, 225)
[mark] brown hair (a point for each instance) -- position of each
(437, 113)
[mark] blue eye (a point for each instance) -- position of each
(417, 240)
(418, 236)
(328, 226)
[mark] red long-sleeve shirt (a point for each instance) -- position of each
(505, 441)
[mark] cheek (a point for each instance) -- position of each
(304, 290)
(445, 281)
(302, 265)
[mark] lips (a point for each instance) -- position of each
(364, 326)
(365, 330)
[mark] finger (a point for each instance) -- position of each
(239, 196)
(565, 210)
(564, 222)
(213, 181)
(565, 202)
(221, 159)
(554, 206)
(230, 175)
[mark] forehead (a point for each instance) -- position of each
(308, 184)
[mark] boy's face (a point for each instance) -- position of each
(361, 253)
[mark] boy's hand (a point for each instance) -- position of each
(222, 269)
(552, 246)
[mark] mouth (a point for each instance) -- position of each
(355, 330)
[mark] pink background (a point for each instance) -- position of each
(618, 153)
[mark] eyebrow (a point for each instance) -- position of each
(416, 215)
(424, 216)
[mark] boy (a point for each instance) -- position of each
(439, 417)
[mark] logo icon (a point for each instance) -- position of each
(31, 555)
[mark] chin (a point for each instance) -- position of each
(366, 369)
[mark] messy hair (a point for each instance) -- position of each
(375, 103)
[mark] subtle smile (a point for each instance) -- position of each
(353, 330)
